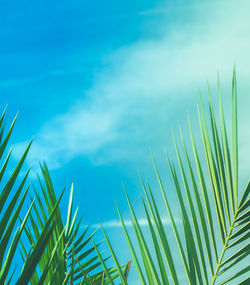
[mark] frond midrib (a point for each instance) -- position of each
(225, 246)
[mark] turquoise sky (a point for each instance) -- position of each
(100, 83)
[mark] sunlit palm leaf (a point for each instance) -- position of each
(200, 246)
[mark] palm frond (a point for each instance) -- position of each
(202, 218)
(12, 201)
(68, 257)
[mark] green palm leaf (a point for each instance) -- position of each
(199, 246)
(68, 257)
(12, 200)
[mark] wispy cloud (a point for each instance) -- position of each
(145, 86)
(128, 223)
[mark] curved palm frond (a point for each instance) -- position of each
(12, 200)
(68, 257)
(209, 204)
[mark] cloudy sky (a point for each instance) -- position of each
(101, 83)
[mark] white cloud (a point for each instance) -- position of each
(146, 86)
(128, 223)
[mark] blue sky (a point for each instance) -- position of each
(99, 83)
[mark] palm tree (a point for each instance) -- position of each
(215, 232)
